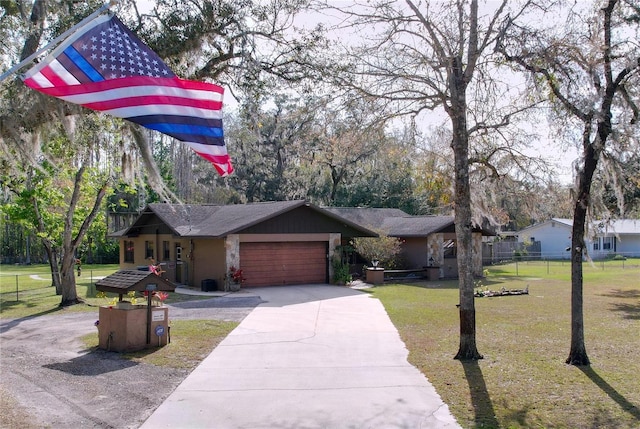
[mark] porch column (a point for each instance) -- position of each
(435, 249)
(232, 252)
(335, 240)
(476, 253)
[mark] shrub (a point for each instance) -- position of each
(383, 248)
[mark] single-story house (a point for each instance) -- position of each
(427, 241)
(273, 243)
(602, 238)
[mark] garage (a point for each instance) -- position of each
(284, 263)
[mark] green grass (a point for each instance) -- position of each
(36, 296)
(523, 382)
(191, 342)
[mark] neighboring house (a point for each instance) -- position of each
(273, 243)
(426, 240)
(602, 239)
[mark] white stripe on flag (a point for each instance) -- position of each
(41, 81)
(209, 149)
(62, 73)
(164, 109)
(142, 91)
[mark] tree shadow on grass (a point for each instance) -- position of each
(485, 416)
(631, 310)
(6, 325)
(611, 391)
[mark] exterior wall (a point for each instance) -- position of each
(554, 238)
(139, 257)
(207, 261)
(629, 245)
(415, 252)
(625, 244)
(175, 270)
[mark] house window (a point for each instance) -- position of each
(148, 249)
(450, 250)
(165, 251)
(128, 251)
(596, 244)
(178, 252)
(607, 243)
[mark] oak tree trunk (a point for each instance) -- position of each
(578, 352)
(460, 145)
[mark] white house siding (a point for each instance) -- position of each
(629, 245)
(554, 235)
(554, 238)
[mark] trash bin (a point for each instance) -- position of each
(208, 285)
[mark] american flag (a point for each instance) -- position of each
(104, 66)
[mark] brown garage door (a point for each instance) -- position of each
(290, 263)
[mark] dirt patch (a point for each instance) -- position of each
(49, 380)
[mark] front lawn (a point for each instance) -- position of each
(523, 382)
(25, 290)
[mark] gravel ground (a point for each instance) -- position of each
(49, 380)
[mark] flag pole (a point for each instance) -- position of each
(57, 40)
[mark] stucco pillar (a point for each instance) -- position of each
(476, 253)
(335, 240)
(435, 249)
(232, 251)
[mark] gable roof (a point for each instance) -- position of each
(565, 223)
(395, 222)
(620, 226)
(365, 216)
(598, 227)
(217, 221)
(124, 281)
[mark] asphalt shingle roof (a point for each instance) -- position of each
(124, 281)
(217, 221)
(393, 222)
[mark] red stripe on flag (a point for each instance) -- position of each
(222, 164)
(148, 100)
(52, 77)
(129, 82)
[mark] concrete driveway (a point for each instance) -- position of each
(314, 356)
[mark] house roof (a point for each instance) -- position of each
(599, 227)
(395, 222)
(217, 221)
(620, 226)
(124, 281)
(418, 226)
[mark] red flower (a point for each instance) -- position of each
(161, 295)
(236, 275)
